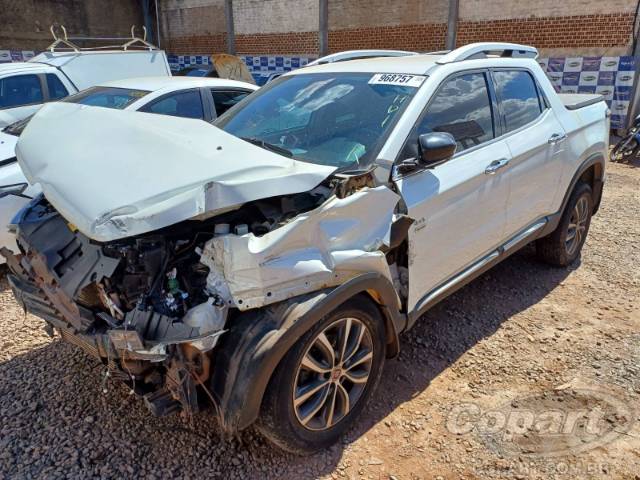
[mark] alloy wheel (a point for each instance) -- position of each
(577, 225)
(333, 374)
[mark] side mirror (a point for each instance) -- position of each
(636, 121)
(436, 147)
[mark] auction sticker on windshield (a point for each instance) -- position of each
(397, 79)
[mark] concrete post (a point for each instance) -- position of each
(231, 36)
(323, 28)
(452, 25)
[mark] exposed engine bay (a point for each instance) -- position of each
(153, 307)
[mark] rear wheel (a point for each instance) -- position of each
(562, 247)
(324, 381)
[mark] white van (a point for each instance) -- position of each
(56, 73)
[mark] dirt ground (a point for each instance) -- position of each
(474, 394)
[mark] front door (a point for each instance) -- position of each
(459, 207)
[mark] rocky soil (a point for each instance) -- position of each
(524, 339)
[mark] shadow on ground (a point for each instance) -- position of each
(62, 411)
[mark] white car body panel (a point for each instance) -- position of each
(162, 170)
(11, 204)
(7, 148)
(534, 171)
(347, 235)
(460, 215)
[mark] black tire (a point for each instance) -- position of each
(279, 418)
(554, 249)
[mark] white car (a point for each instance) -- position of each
(191, 97)
(268, 262)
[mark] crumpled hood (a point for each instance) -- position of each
(115, 173)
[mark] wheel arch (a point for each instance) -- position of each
(590, 171)
(254, 346)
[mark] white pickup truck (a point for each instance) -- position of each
(268, 261)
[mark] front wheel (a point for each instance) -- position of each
(324, 381)
(562, 246)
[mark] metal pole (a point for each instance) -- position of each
(452, 25)
(157, 24)
(231, 36)
(323, 27)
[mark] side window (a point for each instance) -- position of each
(518, 97)
(186, 104)
(461, 107)
(20, 90)
(224, 100)
(56, 89)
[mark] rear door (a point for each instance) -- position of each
(536, 142)
(459, 206)
(182, 103)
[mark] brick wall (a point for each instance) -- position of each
(424, 37)
(289, 27)
(577, 31)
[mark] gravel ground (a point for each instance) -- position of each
(523, 334)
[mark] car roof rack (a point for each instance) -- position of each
(359, 55)
(487, 49)
(65, 43)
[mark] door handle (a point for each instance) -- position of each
(496, 165)
(556, 138)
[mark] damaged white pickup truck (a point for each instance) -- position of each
(267, 262)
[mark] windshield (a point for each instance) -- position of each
(338, 119)
(107, 97)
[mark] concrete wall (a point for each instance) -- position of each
(570, 27)
(24, 24)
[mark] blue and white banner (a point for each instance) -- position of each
(260, 66)
(611, 77)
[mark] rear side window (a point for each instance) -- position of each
(56, 89)
(518, 96)
(187, 104)
(462, 108)
(107, 97)
(20, 90)
(224, 100)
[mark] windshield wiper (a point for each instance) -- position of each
(269, 146)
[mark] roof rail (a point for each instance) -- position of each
(482, 50)
(67, 43)
(359, 55)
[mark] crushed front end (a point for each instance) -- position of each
(155, 307)
(138, 305)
